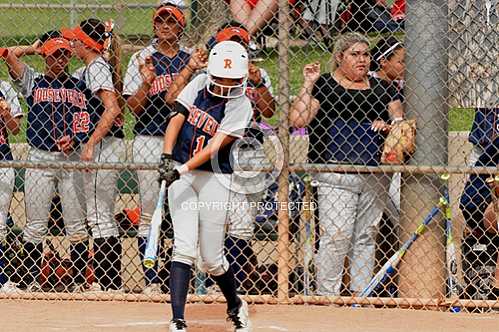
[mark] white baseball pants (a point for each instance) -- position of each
(198, 206)
(101, 189)
(39, 189)
(350, 209)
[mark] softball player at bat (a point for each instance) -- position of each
(57, 115)
(90, 41)
(147, 90)
(211, 113)
(10, 118)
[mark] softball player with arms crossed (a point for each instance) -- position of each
(146, 88)
(211, 113)
(10, 119)
(56, 127)
(102, 77)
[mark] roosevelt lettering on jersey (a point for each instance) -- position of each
(161, 83)
(202, 120)
(51, 95)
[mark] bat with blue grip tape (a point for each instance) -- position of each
(151, 252)
(389, 267)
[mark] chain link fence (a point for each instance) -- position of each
(338, 197)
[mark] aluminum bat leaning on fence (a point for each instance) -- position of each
(390, 266)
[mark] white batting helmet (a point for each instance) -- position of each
(228, 59)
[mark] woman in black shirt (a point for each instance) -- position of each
(346, 112)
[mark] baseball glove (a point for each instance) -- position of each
(400, 142)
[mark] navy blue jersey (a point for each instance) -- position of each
(57, 107)
(476, 194)
(340, 132)
(485, 127)
(8, 94)
(154, 119)
(207, 116)
(96, 77)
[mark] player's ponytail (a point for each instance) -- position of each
(113, 56)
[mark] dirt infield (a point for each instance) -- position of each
(19, 316)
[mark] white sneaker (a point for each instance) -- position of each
(116, 291)
(79, 288)
(240, 318)
(10, 287)
(34, 287)
(93, 288)
(213, 290)
(152, 289)
(178, 325)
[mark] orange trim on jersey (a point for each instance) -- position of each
(78, 34)
(228, 33)
(177, 13)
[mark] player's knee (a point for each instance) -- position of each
(216, 268)
(183, 258)
(104, 230)
(78, 236)
(34, 233)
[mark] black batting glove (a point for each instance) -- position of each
(170, 177)
(165, 165)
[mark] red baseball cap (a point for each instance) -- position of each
(78, 34)
(54, 44)
(230, 32)
(171, 10)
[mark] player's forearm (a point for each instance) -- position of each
(171, 133)
(103, 127)
(216, 143)
(22, 50)
(265, 103)
(107, 119)
(137, 102)
(12, 123)
(15, 66)
(178, 84)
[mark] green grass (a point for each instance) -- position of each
(24, 23)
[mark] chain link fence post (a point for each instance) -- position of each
(283, 248)
(422, 273)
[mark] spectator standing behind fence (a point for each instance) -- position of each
(10, 119)
(346, 112)
(57, 111)
(147, 90)
(90, 41)
(388, 63)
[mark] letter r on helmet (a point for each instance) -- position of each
(227, 64)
